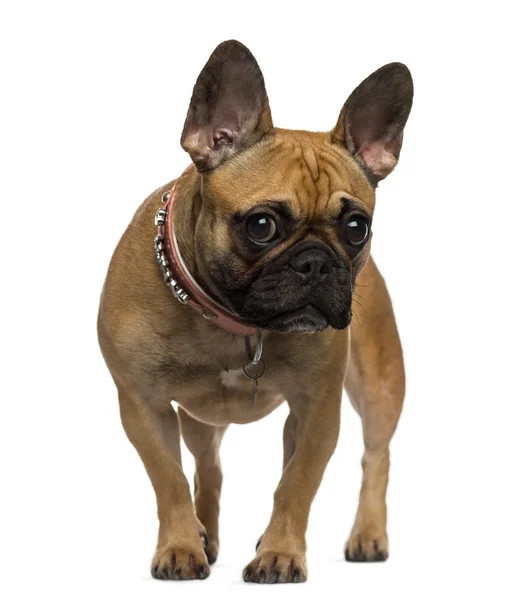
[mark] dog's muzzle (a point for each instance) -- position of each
(307, 288)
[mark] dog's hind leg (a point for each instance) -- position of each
(203, 441)
(375, 384)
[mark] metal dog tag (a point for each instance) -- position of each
(254, 370)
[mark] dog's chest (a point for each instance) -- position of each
(232, 378)
(223, 396)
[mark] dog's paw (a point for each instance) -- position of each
(212, 551)
(275, 567)
(367, 545)
(176, 562)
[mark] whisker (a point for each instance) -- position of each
(359, 304)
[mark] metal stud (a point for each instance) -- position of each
(179, 293)
(159, 219)
(182, 296)
(166, 196)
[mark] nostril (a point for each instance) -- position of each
(326, 267)
(305, 268)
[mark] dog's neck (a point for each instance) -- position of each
(180, 263)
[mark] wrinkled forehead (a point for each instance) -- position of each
(301, 168)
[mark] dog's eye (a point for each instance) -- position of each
(357, 230)
(261, 228)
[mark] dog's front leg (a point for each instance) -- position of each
(154, 431)
(281, 552)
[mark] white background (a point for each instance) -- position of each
(93, 100)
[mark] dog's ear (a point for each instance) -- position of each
(229, 108)
(372, 120)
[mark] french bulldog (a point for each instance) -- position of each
(246, 302)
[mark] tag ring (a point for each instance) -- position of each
(258, 347)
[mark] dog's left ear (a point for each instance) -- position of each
(372, 121)
(229, 109)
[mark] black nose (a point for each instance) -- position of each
(312, 264)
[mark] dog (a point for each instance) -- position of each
(246, 302)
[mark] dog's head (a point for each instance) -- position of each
(284, 225)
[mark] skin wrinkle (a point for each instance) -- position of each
(314, 193)
(286, 152)
(310, 160)
(312, 165)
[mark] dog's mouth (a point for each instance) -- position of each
(283, 307)
(285, 299)
(307, 319)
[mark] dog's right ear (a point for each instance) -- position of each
(229, 108)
